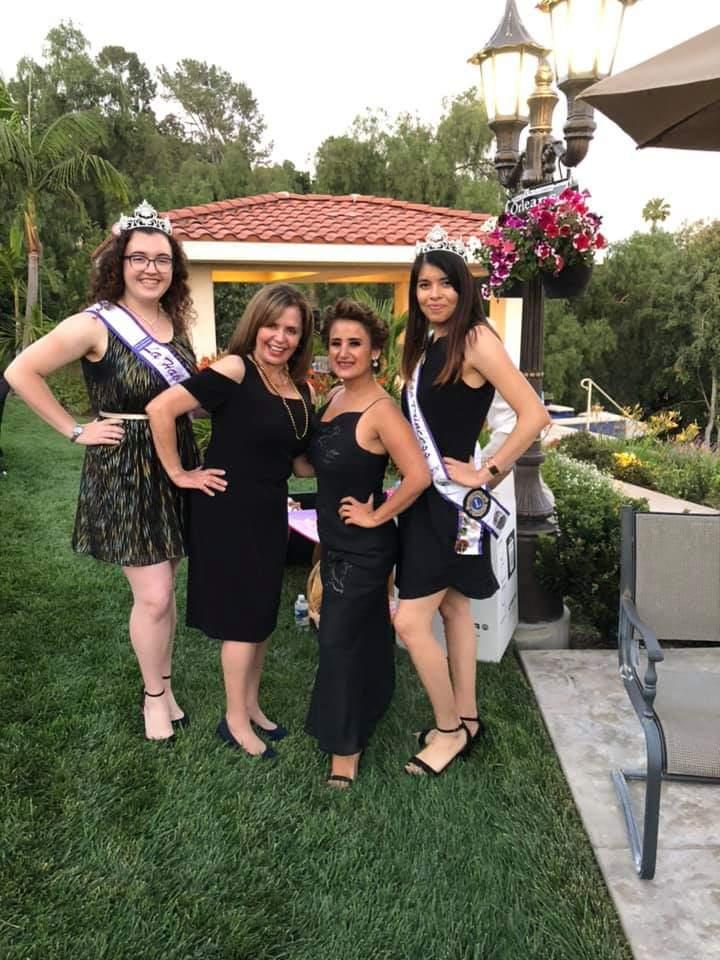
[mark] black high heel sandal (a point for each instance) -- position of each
(183, 721)
(422, 737)
(167, 740)
(421, 767)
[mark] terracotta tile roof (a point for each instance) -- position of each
(315, 218)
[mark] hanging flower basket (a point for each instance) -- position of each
(570, 282)
(558, 237)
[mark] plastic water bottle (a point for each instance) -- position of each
(302, 619)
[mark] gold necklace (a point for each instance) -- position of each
(147, 320)
(273, 389)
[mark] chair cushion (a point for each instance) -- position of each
(688, 708)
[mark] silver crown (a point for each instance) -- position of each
(438, 239)
(145, 216)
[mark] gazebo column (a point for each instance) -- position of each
(203, 329)
(401, 297)
(506, 317)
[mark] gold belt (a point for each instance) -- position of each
(122, 416)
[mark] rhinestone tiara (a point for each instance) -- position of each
(144, 216)
(438, 239)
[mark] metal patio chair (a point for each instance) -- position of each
(669, 590)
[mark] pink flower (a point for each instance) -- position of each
(581, 242)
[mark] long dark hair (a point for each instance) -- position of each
(265, 307)
(468, 313)
(108, 283)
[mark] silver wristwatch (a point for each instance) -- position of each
(76, 431)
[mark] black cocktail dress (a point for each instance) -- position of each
(428, 562)
(238, 539)
(356, 670)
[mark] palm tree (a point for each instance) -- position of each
(53, 161)
(656, 211)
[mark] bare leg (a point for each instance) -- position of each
(413, 623)
(176, 712)
(462, 645)
(238, 663)
(255, 712)
(152, 620)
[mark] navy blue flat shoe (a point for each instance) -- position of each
(277, 733)
(224, 734)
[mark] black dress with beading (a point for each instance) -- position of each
(356, 669)
(238, 539)
(428, 562)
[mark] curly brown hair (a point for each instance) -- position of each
(347, 309)
(107, 281)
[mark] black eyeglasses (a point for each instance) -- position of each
(138, 261)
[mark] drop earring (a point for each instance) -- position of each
(375, 365)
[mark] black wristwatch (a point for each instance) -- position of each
(493, 469)
(76, 431)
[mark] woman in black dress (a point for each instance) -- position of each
(128, 513)
(452, 362)
(261, 415)
(358, 430)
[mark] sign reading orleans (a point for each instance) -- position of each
(522, 202)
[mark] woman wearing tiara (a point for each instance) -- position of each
(452, 362)
(357, 431)
(133, 343)
(261, 419)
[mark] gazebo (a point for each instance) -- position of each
(308, 238)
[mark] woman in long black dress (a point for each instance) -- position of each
(452, 362)
(261, 415)
(129, 513)
(357, 431)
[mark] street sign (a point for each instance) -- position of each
(522, 202)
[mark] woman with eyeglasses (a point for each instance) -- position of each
(132, 343)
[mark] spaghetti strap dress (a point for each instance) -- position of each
(355, 677)
(238, 539)
(129, 512)
(428, 562)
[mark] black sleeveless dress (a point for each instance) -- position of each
(428, 562)
(129, 512)
(356, 668)
(238, 539)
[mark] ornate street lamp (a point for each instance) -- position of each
(517, 84)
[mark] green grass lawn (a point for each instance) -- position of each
(116, 849)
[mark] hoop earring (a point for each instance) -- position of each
(375, 365)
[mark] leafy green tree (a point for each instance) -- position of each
(573, 350)
(50, 161)
(695, 320)
(410, 160)
(219, 110)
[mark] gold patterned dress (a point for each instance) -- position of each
(129, 512)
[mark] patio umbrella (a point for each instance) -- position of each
(671, 100)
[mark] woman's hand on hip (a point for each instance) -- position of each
(358, 513)
(109, 432)
(461, 472)
(210, 481)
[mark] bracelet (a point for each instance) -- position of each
(493, 469)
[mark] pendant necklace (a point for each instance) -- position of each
(273, 389)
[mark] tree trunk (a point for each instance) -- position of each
(712, 407)
(32, 245)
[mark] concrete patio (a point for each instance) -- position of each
(594, 729)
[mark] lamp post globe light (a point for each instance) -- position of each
(518, 91)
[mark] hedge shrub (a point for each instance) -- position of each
(584, 563)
